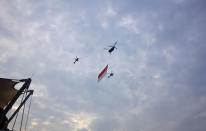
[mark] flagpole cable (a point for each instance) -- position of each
(17, 113)
(22, 118)
(27, 118)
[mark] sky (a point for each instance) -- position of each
(159, 65)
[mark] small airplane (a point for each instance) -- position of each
(110, 74)
(76, 59)
(112, 48)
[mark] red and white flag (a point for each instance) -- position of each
(103, 73)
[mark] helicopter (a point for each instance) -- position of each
(76, 59)
(110, 74)
(112, 48)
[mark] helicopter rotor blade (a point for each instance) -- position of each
(115, 43)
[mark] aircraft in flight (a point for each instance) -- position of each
(76, 60)
(110, 75)
(112, 48)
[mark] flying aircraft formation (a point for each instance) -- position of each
(104, 71)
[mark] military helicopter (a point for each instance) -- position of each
(112, 48)
(76, 59)
(110, 74)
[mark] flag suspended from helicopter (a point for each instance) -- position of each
(7, 91)
(102, 74)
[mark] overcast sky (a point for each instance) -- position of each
(159, 67)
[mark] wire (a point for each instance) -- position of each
(17, 113)
(27, 118)
(22, 118)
